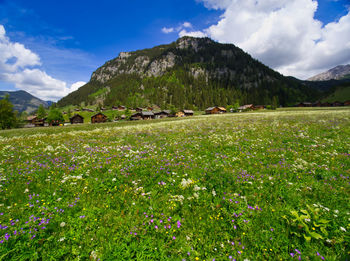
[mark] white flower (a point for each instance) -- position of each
(214, 193)
(62, 224)
(307, 220)
(59, 199)
(114, 179)
(61, 239)
(196, 188)
(336, 211)
(342, 229)
(26, 190)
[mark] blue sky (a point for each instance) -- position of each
(68, 40)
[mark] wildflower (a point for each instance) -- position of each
(342, 229)
(62, 224)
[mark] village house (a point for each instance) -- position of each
(121, 108)
(144, 115)
(304, 104)
(162, 114)
(76, 119)
(259, 107)
(149, 108)
(215, 110)
(139, 109)
(98, 118)
(337, 104)
(246, 107)
(347, 103)
(188, 113)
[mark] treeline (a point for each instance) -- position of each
(181, 89)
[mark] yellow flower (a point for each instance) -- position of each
(197, 258)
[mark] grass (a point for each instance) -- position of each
(257, 186)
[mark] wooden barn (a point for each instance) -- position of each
(121, 108)
(325, 104)
(304, 104)
(347, 103)
(188, 113)
(259, 107)
(76, 119)
(144, 115)
(162, 114)
(139, 109)
(337, 104)
(246, 107)
(215, 110)
(98, 118)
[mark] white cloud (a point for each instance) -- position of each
(181, 29)
(167, 30)
(187, 25)
(193, 33)
(282, 34)
(18, 65)
(75, 86)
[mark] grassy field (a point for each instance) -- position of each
(248, 186)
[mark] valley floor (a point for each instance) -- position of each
(256, 186)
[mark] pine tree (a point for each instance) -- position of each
(8, 117)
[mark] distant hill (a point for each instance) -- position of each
(23, 101)
(189, 73)
(339, 72)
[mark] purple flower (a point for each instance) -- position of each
(174, 237)
(292, 254)
(296, 250)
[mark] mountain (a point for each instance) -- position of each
(339, 72)
(188, 73)
(23, 101)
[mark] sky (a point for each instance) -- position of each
(51, 48)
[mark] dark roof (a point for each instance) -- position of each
(98, 114)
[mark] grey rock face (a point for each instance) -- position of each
(335, 73)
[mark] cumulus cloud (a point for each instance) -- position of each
(19, 66)
(282, 34)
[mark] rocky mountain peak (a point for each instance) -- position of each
(336, 73)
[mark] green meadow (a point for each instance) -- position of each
(241, 186)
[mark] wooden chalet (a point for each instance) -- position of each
(144, 115)
(34, 120)
(162, 114)
(337, 104)
(98, 118)
(188, 113)
(76, 119)
(121, 108)
(103, 109)
(215, 110)
(246, 107)
(76, 110)
(149, 108)
(259, 107)
(304, 104)
(347, 103)
(139, 109)
(325, 104)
